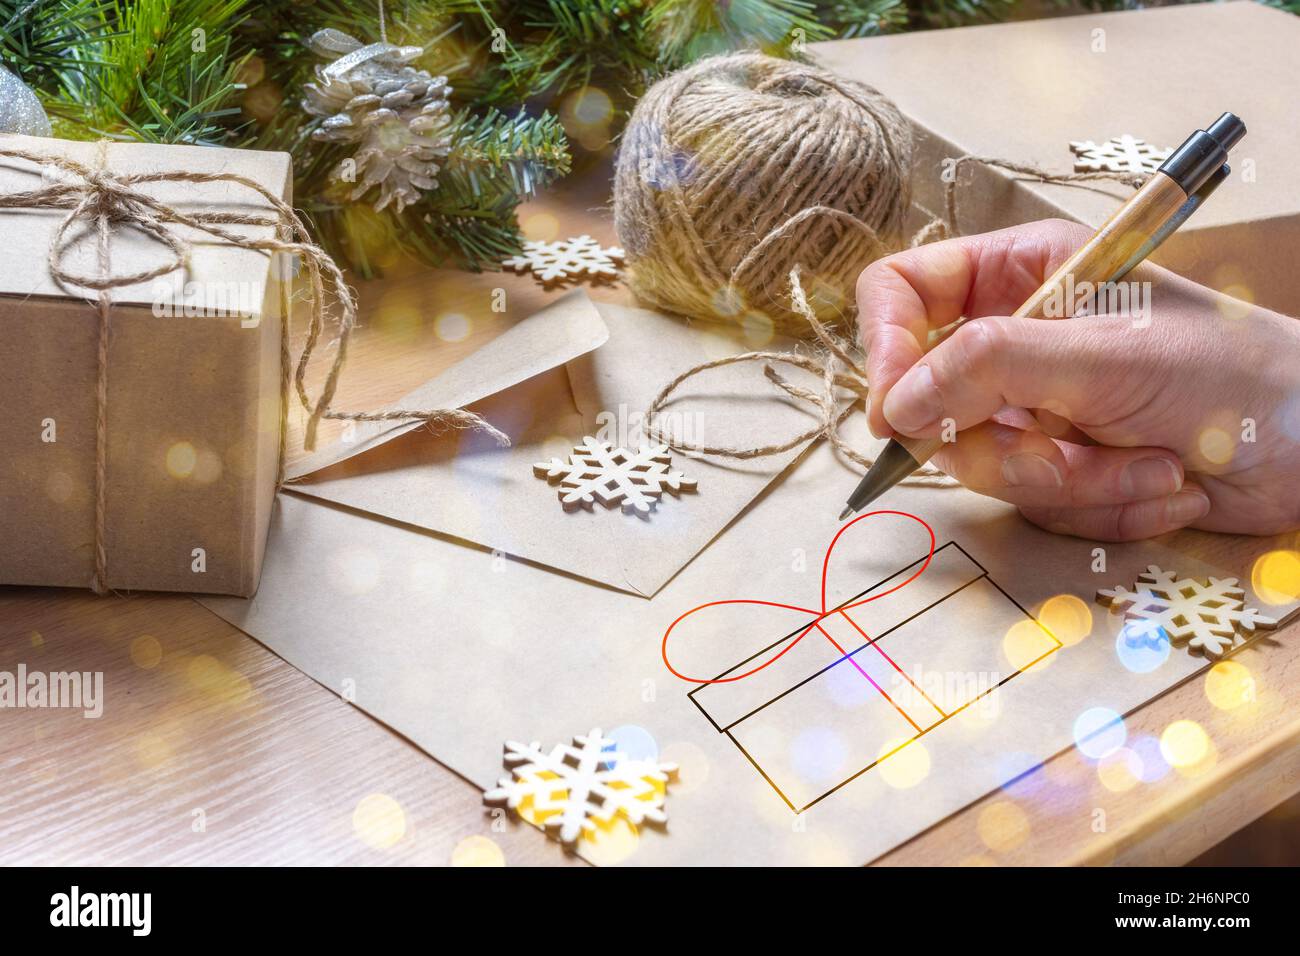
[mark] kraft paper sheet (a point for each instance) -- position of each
(460, 648)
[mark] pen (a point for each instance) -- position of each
(1174, 191)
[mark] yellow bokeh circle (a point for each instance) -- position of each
(181, 459)
(1026, 643)
(477, 851)
(1003, 826)
(1276, 577)
(146, 652)
(379, 821)
(1068, 618)
(906, 768)
(1229, 684)
(1184, 743)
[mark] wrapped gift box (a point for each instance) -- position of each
(194, 390)
(1024, 91)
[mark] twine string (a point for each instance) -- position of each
(834, 360)
(105, 200)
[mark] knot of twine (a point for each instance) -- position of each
(836, 361)
(108, 200)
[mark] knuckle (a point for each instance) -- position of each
(872, 281)
(1130, 522)
(977, 347)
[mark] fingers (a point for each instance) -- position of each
(1030, 469)
(903, 296)
(1087, 372)
(1126, 522)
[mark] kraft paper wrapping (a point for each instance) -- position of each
(1024, 91)
(194, 400)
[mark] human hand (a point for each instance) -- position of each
(1102, 426)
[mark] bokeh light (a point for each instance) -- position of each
(60, 487)
(586, 114)
(1025, 644)
(692, 766)
(181, 459)
(1020, 775)
(610, 844)
(1216, 445)
(906, 768)
(1002, 826)
(452, 326)
(540, 227)
(1229, 684)
(379, 821)
(1139, 653)
(477, 851)
(152, 751)
(146, 652)
(818, 754)
(1154, 767)
(1120, 770)
(215, 680)
(1184, 743)
(633, 742)
(1068, 617)
(1241, 301)
(1275, 577)
(1099, 731)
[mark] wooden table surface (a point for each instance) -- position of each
(213, 750)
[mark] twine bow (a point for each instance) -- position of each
(108, 200)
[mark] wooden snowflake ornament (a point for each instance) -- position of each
(1208, 616)
(555, 262)
(1119, 154)
(597, 471)
(575, 789)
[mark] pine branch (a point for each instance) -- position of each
(40, 37)
(864, 18)
(689, 29)
(496, 162)
(495, 153)
(151, 70)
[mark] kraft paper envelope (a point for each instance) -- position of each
(806, 761)
(464, 485)
(539, 343)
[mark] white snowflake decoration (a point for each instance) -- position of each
(553, 262)
(1119, 154)
(1208, 616)
(596, 470)
(577, 788)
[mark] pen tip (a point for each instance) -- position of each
(848, 510)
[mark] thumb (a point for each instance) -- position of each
(1075, 369)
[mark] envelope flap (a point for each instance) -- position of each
(544, 340)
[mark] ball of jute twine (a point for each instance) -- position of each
(733, 171)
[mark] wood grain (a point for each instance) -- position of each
(201, 718)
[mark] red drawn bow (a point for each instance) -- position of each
(818, 615)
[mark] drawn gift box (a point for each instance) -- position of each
(870, 678)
